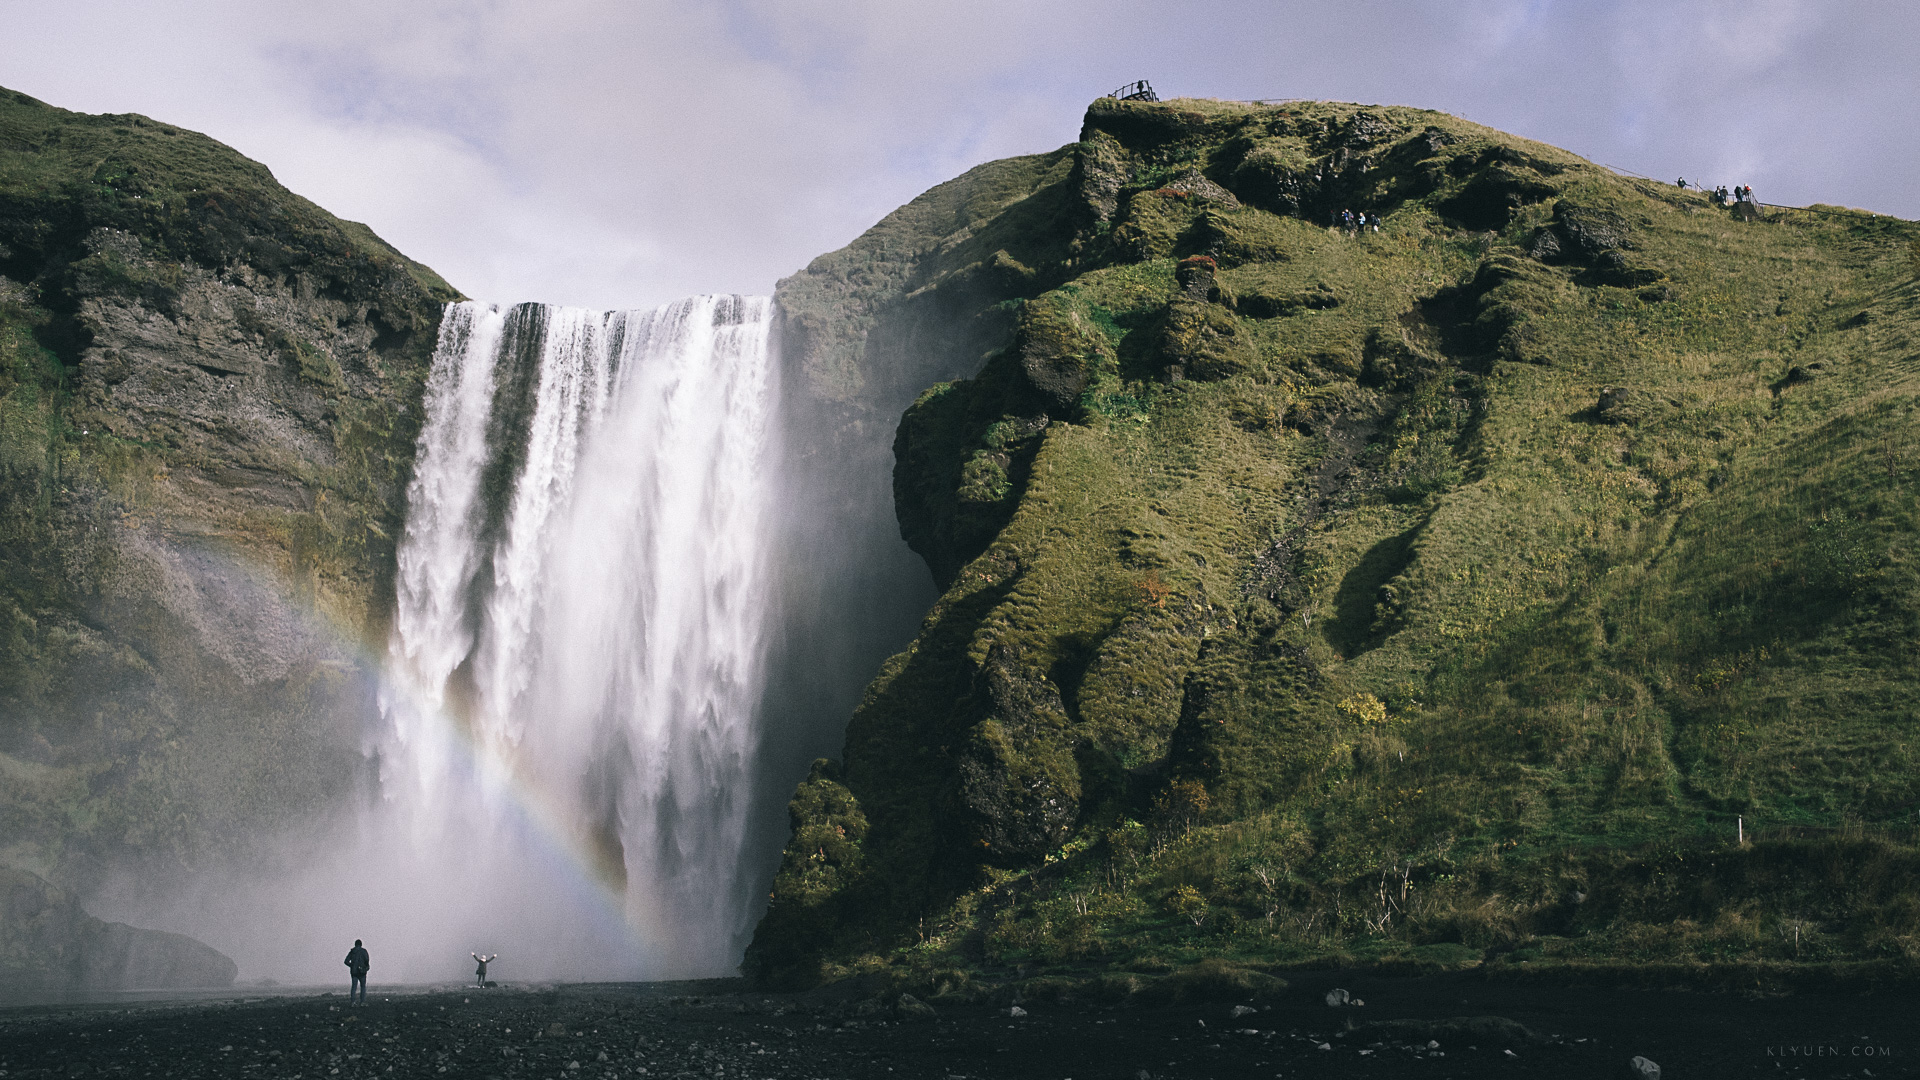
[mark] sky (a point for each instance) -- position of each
(622, 154)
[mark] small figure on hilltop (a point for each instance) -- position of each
(357, 963)
(480, 973)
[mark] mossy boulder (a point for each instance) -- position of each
(1204, 341)
(1059, 350)
(1581, 233)
(964, 452)
(1491, 198)
(1153, 224)
(1009, 805)
(828, 831)
(1277, 173)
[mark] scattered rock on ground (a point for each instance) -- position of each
(730, 1031)
(1626, 405)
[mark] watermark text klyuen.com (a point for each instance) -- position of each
(1827, 1050)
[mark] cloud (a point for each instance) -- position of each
(623, 153)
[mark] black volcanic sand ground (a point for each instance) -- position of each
(722, 1031)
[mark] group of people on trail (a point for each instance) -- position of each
(359, 963)
(1353, 224)
(1724, 197)
(1738, 195)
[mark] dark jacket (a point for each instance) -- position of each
(357, 961)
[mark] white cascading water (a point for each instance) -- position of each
(578, 653)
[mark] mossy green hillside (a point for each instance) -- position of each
(209, 391)
(1531, 577)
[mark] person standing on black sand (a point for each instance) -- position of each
(480, 975)
(357, 964)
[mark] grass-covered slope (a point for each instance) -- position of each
(209, 390)
(1459, 590)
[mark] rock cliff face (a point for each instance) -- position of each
(862, 332)
(1322, 590)
(209, 390)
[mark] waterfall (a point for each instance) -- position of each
(578, 653)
